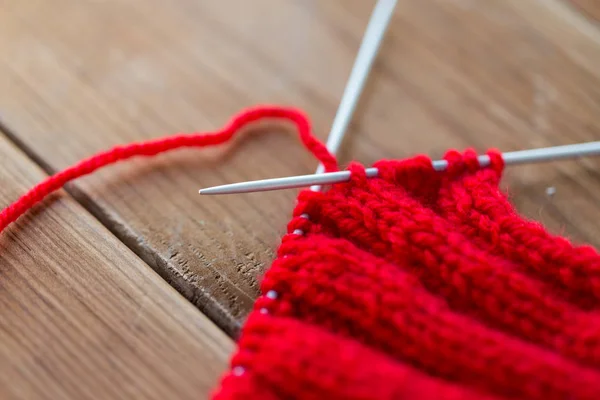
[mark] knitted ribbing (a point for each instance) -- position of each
(421, 284)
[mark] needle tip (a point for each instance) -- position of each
(223, 189)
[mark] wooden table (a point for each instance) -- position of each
(129, 284)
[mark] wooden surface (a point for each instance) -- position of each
(82, 317)
(590, 7)
(82, 76)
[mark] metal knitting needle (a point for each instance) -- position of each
(510, 158)
(378, 23)
(367, 52)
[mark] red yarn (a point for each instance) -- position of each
(416, 284)
(157, 146)
(421, 284)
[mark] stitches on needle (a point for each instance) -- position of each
(421, 284)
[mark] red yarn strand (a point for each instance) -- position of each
(158, 146)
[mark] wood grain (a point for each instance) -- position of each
(84, 318)
(590, 7)
(82, 76)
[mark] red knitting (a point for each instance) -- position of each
(421, 284)
(417, 284)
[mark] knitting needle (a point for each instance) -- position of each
(510, 158)
(378, 22)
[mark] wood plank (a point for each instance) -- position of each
(82, 76)
(589, 7)
(83, 317)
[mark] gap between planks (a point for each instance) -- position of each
(132, 241)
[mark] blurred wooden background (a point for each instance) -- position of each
(77, 77)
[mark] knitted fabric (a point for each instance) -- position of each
(421, 284)
(415, 284)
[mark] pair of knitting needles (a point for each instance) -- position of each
(367, 53)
